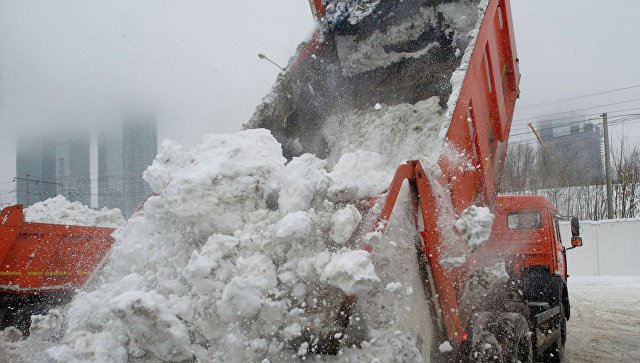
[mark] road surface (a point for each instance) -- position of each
(605, 319)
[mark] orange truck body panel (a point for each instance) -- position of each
(541, 246)
(479, 130)
(41, 257)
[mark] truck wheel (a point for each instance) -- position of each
(516, 338)
(501, 337)
(555, 353)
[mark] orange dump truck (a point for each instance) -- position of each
(42, 265)
(343, 68)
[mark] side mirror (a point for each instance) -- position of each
(575, 228)
(576, 242)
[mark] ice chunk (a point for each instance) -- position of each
(294, 225)
(359, 174)
(343, 223)
(305, 178)
(475, 225)
(212, 186)
(351, 271)
(445, 347)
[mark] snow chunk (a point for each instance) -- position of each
(212, 186)
(58, 210)
(46, 327)
(294, 225)
(482, 281)
(361, 55)
(475, 225)
(343, 223)
(88, 347)
(305, 178)
(358, 175)
(452, 262)
(243, 296)
(393, 286)
(445, 347)
(351, 271)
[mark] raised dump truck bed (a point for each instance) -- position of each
(42, 265)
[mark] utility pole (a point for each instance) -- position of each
(607, 167)
(26, 187)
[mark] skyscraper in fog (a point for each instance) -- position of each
(35, 170)
(139, 148)
(123, 155)
(110, 170)
(54, 164)
(73, 166)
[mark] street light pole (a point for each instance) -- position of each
(262, 56)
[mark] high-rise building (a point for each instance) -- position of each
(123, 155)
(139, 148)
(110, 169)
(54, 164)
(35, 170)
(73, 166)
(579, 150)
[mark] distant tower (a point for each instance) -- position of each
(73, 166)
(110, 169)
(35, 161)
(139, 148)
(123, 155)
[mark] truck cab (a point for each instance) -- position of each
(526, 236)
(526, 228)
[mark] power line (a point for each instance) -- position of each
(561, 100)
(580, 109)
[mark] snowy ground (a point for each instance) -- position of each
(605, 319)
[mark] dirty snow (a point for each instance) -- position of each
(474, 225)
(58, 210)
(399, 132)
(483, 280)
(360, 55)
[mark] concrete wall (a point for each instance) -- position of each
(611, 248)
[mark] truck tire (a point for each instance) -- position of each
(516, 338)
(501, 337)
(555, 353)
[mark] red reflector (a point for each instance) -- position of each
(465, 336)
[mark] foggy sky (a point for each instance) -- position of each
(194, 63)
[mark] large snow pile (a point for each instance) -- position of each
(243, 258)
(58, 210)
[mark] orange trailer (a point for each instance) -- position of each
(42, 265)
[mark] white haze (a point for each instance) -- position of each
(84, 63)
(194, 62)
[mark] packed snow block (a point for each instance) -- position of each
(58, 210)
(344, 223)
(304, 183)
(357, 175)
(474, 225)
(351, 271)
(211, 186)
